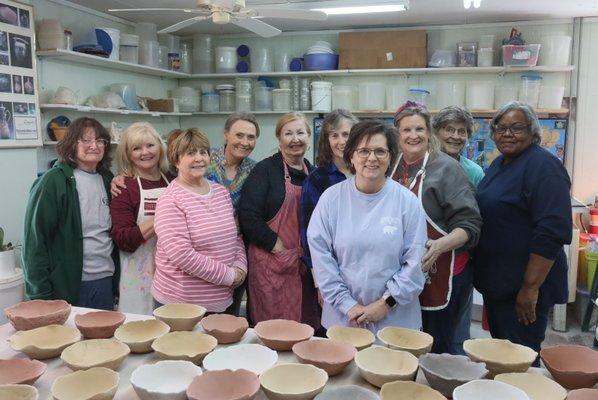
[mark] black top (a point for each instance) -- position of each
(261, 198)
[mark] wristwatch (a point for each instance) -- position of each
(390, 301)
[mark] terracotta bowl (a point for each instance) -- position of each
(358, 337)
(45, 342)
(225, 328)
(379, 365)
(282, 334)
(329, 355)
(352, 392)
(186, 346)
(252, 357)
(139, 335)
(574, 367)
(536, 386)
(445, 372)
(92, 384)
(415, 342)
(166, 380)
(37, 313)
(18, 392)
(99, 324)
(488, 390)
(180, 316)
(583, 394)
(20, 371)
(91, 353)
(224, 385)
(501, 356)
(293, 382)
(409, 390)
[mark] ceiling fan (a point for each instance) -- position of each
(235, 12)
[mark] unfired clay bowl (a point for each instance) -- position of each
(572, 366)
(536, 386)
(415, 342)
(401, 390)
(445, 372)
(252, 357)
(358, 337)
(20, 371)
(488, 390)
(167, 380)
(92, 384)
(329, 355)
(186, 346)
(18, 392)
(225, 328)
(45, 342)
(379, 365)
(282, 334)
(293, 382)
(583, 394)
(91, 353)
(180, 316)
(224, 385)
(501, 356)
(347, 392)
(99, 324)
(37, 313)
(139, 335)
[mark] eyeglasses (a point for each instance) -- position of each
(461, 132)
(89, 142)
(515, 129)
(379, 153)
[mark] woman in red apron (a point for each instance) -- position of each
(279, 285)
(452, 216)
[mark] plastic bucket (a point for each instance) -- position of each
(556, 50)
(11, 291)
(529, 91)
(480, 95)
(371, 96)
(551, 97)
(321, 96)
(395, 96)
(342, 97)
(450, 94)
(592, 259)
(504, 94)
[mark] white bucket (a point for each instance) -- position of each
(371, 96)
(343, 97)
(8, 263)
(480, 95)
(395, 96)
(504, 94)
(551, 97)
(321, 96)
(12, 291)
(450, 94)
(555, 51)
(485, 57)
(226, 59)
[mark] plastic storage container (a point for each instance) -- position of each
(227, 97)
(485, 58)
(50, 34)
(419, 95)
(551, 97)
(261, 60)
(281, 99)
(149, 53)
(480, 95)
(203, 54)
(395, 96)
(243, 94)
(320, 62)
(372, 96)
(321, 96)
(343, 97)
(504, 94)
(263, 98)
(226, 59)
(188, 99)
(163, 57)
(467, 52)
(283, 61)
(185, 56)
(127, 92)
(520, 56)
(450, 93)
(304, 94)
(443, 59)
(529, 90)
(556, 50)
(129, 48)
(210, 103)
(147, 31)
(486, 42)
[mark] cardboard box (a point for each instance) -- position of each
(383, 49)
(162, 105)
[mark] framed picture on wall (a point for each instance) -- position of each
(20, 121)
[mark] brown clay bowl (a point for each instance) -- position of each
(99, 324)
(20, 371)
(18, 392)
(400, 390)
(501, 356)
(225, 328)
(328, 354)
(574, 367)
(37, 313)
(224, 385)
(91, 353)
(139, 335)
(293, 382)
(45, 342)
(92, 384)
(282, 334)
(415, 342)
(583, 394)
(180, 316)
(358, 337)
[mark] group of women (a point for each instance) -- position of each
(392, 228)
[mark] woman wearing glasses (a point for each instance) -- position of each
(367, 237)
(67, 250)
(520, 266)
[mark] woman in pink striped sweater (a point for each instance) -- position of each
(200, 257)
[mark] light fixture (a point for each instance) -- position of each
(362, 9)
(468, 3)
(477, 3)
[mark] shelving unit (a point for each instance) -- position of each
(54, 143)
(87, 109)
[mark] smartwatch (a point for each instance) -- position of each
(390, 301)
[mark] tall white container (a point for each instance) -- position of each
(321, 96)
(551, 97)
(371, 96)
(529, 91)
(480, 95)
(12, 291)
(343, 97)
(395, 96)
(555, 50)
(450, 94)
(504, 94)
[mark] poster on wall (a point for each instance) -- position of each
(20, 122)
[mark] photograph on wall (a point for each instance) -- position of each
(9, 14)
(7, 128)
(28, 86)
(31, 108)
(24, 18)
(5, 83)
(20, 51)
(4, 59)
(3, 41)
(20, 108)
(17, 84)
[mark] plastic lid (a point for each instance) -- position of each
(225, 87)
(281, 90)
(415, 90)
(531, 77)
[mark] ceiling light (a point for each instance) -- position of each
(467, 3)
(477, 3)
(362, 9)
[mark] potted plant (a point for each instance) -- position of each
(7, 257)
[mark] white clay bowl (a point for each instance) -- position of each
(167, 380)
(252, 357)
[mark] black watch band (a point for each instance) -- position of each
(390, 301)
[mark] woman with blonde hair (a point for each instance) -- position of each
(141, 158)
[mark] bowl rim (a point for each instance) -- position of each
(549, 349)
(186, 364)
(466, 359)
(365, 332)
(10, 311)
(323, 375)
(32, 389)
(260, 325)
(374, 348)
(113, 374)
(542, 377)
(254, 379)
(76, 335)
(487, 360)
(190, 352)
(38, 364)
(309, 359)
(124, 351)
(238, 347)
(200, 310)
(244, 326)
(120, 329)
(428, 388)
(81, 324)
(491, 382)
(422, 334)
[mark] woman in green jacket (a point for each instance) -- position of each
(67, 250)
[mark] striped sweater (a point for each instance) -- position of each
(197, 244)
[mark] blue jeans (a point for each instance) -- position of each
(97, 294)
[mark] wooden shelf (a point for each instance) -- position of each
(54, 143)
(87, 109)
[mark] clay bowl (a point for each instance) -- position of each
(92, 384)
(252, 357)
(224, 385)
(139, 335)
(91, 353)
(20, 371)
(574, 367)
(445, 372)
(282, 334)
(352, 392)
(37, 313)
(225, 328)
(329, 355)
(99, 324)
(164, 380)
(358, 337)
(583, 394)
(415, 342)
(409, 390)
(536, 386)
(186, 346)
(180, 316)
(18, 392)
(488, 390)
(501, 356)
(293, 382)
(379, 365)
(45, 342)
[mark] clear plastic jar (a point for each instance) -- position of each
(281, 99)
(263, 98)
(210, 103)
(227, 100)
(185, 56)
(529, 91)
(243, 102)
(304, 94)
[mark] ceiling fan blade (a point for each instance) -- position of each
(183, 24)
(187, 10)
(256, 26)
(291, 14)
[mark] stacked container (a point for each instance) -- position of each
(203, 55)
(243, 94)
(129, 48)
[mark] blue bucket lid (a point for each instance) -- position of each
(531, 77)
(415, 90)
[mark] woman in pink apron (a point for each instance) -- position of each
(141, 158)
(279, 284)
(452, 216)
